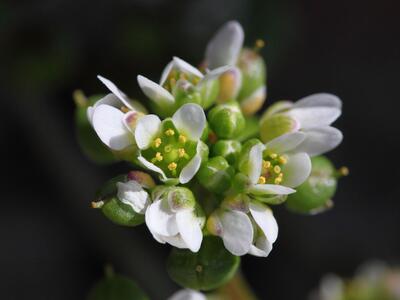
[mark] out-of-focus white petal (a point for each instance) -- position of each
(262, 247)
(296, 170)
(155, 92)
(214, 74)
(189, 229)
(146, 128)
(109, 126)
(237, 232)
(310, 117)
(176, 241)
(320, 140)
(116, 91)
(190, 120)
(132, 194)
(160, 219)
(186, 67)
(264, 218)
(286, 142)
(187, 294)
(190, 169)
(255, 163)
(270, 189)
(109, 99)
(164, 75)
(152, 167)
(320, 99)
(225, 45)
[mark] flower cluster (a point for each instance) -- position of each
(206, 164)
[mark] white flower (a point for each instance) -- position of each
(172, 148)
(187, 294)
(313, 115)
(172, 219)
(133, 194)
(248, 228)
(178, 75)
(225, 46)
(114, 118)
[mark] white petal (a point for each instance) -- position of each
(237, 232)
(320, 140)
(189, 229)
(155, 92)
(262, 247)
(264, 218)
(225, 45)
(165, 72)
(286, 142)
(190, 120)
(116, 91)
(214, 74)
(109, 126)
(146, 128)
(315, 116)
(152, 167)
(320, 99)
(132, 194)
(255, 163)
(109, 99)
(131, 119)
(176, 241)
(157, 237)
(160, 219)
(296, 170)
(186, 67)
(187, 295)
(190, 169)
(270, 189)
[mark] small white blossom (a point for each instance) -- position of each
(133, 194)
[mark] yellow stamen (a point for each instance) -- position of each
(157, 142)
(282, 160)
(182, 138)
(259, 44)
(266, 164)
(280, 175)
(183, 76)
(172, 82)
(277, 169)
(124, 109)
(344, 171)
(273, 155)
(181, 152)
(172, 166)
(158, 156)
(169, 132)
(261, 180)
(278, 180)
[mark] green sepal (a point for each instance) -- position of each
(226, 120)
(228, 149)
(276, 125)
(87, 138)
(315, 194)
(205, 270)
(209, 90)
(251, 129)
(216, 175)
(244, 157)
(117, 288)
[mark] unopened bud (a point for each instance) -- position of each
(277, 125)
(142, 178)
(180, 198)
(229, 85)
(226, 120)
(229, 149)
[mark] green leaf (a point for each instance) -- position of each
(207, 269)
(116, 288)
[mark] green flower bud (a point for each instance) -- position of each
(244, 159)
(253, 91)
(180, 197)
(275, 108)
(142, 178)
(116, 287)
(229, 149)
(240, 182)
(316, 192)
(207, 269)
(216, 175)
(230, 83)
(277, 125)
(226, 120)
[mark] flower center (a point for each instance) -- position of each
(272, 168)
(170, 151)
(176, 75)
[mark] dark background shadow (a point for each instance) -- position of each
(54, 247)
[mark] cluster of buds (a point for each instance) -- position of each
(209, 168)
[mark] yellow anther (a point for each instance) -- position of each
(278, 180)
(158, 156)
(181, 152)
(277, 169)
(157, 142)
(172, 82)
(273, 155)
(167, 148)
(172, 166)
(280, 175)
(183, 76)
(182, 138)
(266, 164)
(259, 44)
(261, 180)
(124, 109)
(282, 160)
(169, 132)
(343, 171)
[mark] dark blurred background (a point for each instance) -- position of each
(53, 246)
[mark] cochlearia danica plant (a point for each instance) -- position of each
(205, 164)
